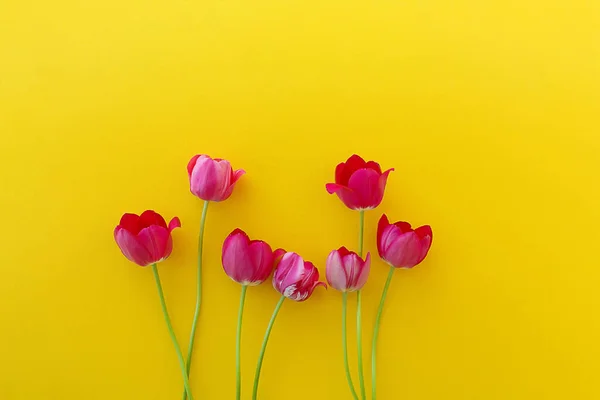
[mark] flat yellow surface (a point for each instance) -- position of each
(488, 110)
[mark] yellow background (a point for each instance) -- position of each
(488, 110)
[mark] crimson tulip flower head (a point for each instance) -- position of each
(359, 184)
(295, 278)
(401, 246)
(346, 271)
(212, 179)
(145, 239)
(248, 262)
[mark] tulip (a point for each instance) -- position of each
(359, 185)
(212, 179)
(295, 279)
(346, 271)
(401, 247)
(145, 239)
(248, 262)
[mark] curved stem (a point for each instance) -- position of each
(163, 305)
(238, 338)
(361, 374)
(198, 293)
(345, 345)
(264, 346)
(376, 332)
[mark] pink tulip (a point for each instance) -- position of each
(359, 184)
(212, 179)
(145, 239)
(295, 278)
(248, 262)
(401, 246)
(346, 271)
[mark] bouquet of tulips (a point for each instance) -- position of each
(146, 240)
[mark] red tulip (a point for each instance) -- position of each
(212, 179)
(145, 239)
(246, 261)
(359, 184)
(346, 271)
(400, 245)
(295, 278)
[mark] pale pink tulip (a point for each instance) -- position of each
(212, 179)
(295, 278)
(346, 271)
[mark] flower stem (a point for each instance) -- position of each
(361, 375)
(163, 305)
(238, 338)
(361, 230)
(376, 332)
(345, 345)
(264, 346)
(198, 293)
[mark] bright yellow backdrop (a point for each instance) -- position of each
(488, 110)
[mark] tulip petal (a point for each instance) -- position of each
(363, 274)
(261, 257)
(344, 171)
(365, 185)
(131, 248)
(237, 175)
(404, 249)
(174, 223)
(343, 251)
(333, 188)
(130, 222)
(381, 225)
(150, 217)
(234, 257)
(335, 272)
(424, 231)
(157, 240)
(191, 164)
(403, 226)
(374, 166)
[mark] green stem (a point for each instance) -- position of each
(238, 338)
(376, 332)
(198, 293)
(264, 346)
(361, 374)
(345, 345)
(361, 230)
(163, 304)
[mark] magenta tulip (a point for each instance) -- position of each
(359, 184)
(346, 271)
(401, 246)
(212, 179)
(295, 278)
(248, 262)
(145, 239)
